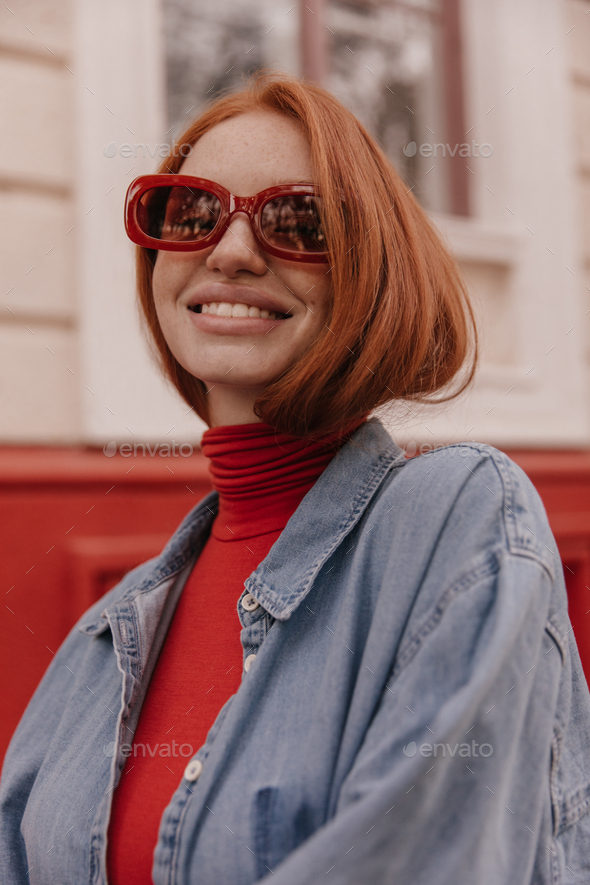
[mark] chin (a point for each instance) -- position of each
(245, 382)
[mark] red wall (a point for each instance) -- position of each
(73, 522)
(563, 482)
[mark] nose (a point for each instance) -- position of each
(237, 250)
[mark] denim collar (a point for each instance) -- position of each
(327, 513)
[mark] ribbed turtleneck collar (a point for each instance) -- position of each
(262, 476)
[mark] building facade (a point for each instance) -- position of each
(92, 94)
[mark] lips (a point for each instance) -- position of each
(228, 293)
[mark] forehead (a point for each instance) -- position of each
(251, 152)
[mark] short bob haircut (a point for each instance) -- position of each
(400, 324)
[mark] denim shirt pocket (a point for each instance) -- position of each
(571, 819)
(570, 784)
(570, 761)
(266, 804)
(281, 821)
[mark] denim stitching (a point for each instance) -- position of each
(410, 647)
(265, 591)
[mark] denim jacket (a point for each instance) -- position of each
(416, 712)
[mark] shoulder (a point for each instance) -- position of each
(471, 491)
(182, 547)
(134, 578)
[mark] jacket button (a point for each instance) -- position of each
(249, 604)
(248, 662)
(193, 770)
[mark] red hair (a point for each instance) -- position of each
(400, 324)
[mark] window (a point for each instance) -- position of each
(384, 62)
(210, 47)
(395, 63)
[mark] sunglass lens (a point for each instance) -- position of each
(292, 222)
(178, 214)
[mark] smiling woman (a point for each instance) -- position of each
(378, 308)
(234, 356)
(331, 606)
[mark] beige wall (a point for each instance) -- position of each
(39, 393)
(67, 321)
(579, 19)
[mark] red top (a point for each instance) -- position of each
(261, 478)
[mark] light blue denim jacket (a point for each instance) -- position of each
(416, 712)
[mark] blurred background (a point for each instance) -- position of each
(483, 108)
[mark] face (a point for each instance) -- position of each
(237, 356)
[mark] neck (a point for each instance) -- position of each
(262, 475)
(231, 405)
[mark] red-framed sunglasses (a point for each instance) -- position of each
(182, 213)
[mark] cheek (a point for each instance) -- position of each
(173, 273)
(313, 286)
(167, 282)
(163, 279)
(321, 294)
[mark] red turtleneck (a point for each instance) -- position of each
(261, 478)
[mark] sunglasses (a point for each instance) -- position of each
(181, 213)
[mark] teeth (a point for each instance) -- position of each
(239, 310)
(225, 309)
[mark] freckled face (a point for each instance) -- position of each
(245, 154)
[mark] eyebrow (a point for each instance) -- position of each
(276, 181)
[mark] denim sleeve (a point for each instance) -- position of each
(458, 778)
(34, 738)
(25, 756)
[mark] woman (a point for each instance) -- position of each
(398, 697)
